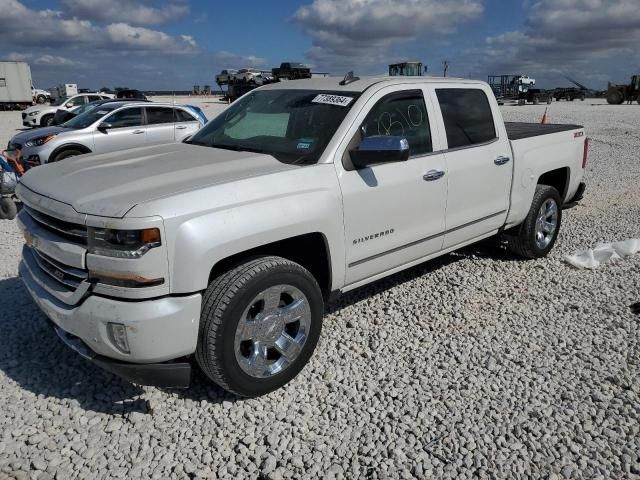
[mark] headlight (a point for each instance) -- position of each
(33, 114)
(38, 142)
(122, 243)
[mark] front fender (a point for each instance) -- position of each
(248, 214)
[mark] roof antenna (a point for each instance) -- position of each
(349, 78)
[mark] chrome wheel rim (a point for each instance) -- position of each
(546, 223)
(272, 331)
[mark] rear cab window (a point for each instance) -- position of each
(467, 116)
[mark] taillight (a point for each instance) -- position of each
(586, 153)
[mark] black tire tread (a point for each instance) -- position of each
(8, 209)
(216, 300)
(519, 241)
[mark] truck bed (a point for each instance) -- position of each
(520, 130)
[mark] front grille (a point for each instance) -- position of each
(72, 231)
(68, 276)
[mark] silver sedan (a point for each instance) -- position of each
(108, 128)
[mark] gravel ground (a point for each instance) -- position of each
(476, 365)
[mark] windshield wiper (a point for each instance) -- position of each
(236, 148)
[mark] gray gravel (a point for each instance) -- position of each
(475, 365)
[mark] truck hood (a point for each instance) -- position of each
(111, 184)
(27, 135)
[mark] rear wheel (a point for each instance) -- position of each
(536, 236)
(66, 154)
(8, 209)
(259, 325)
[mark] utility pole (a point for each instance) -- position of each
(445, 64)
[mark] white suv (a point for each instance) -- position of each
(247, 75)
(42, 115)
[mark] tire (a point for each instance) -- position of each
(549, 100)
(66, 154)
(582, 98)
(536, 101)
(614, 97)
(523, 240)
(8, 209)
(46, 120)
(231, 299)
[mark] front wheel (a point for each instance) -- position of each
(536, 236)
(46, 121)
(259, 325)
(66, 154)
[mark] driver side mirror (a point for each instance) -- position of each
(69, 105)
(380, 149)
(104, 126)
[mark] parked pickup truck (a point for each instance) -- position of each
(222, 251)
(291, 71)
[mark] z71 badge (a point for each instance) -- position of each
(578, 134)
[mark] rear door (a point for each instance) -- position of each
(128, 131)
(479, 162)
(160, 125)
(185, 124)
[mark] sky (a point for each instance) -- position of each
(180, 43)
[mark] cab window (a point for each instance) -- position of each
(401, 114)
(467, 116)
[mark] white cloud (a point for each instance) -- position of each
(130, 11)
(579, 37)
(48, 28)
(362, 32)
(226, 59)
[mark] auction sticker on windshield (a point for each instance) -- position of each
(338, 100)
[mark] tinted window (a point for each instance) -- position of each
(403, 115)
(77, 101)
(129, 117)
(182, 116)
(467, 116)
(159, 115)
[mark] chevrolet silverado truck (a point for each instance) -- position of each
(222, 251)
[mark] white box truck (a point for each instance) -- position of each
(15, 85)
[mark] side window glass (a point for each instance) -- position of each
(129, 117)
(76, 101)
(467, 116)
(158, 115)
(402, 114)
(182, 116)
(93, 98)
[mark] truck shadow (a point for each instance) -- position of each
(489, 249)
(32, 356)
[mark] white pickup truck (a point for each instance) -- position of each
(222, 251)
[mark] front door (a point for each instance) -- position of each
(127, 131)
(393, 212)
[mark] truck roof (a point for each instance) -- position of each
(333, 83)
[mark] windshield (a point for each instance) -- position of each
(90, 116)
(60, 101)
(294, 126)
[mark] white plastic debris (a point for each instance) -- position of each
(603, 253)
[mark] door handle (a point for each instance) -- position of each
(180, 127)
(138, 132)
(432, 175)
(501, 160)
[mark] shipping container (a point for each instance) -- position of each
(15, 84)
